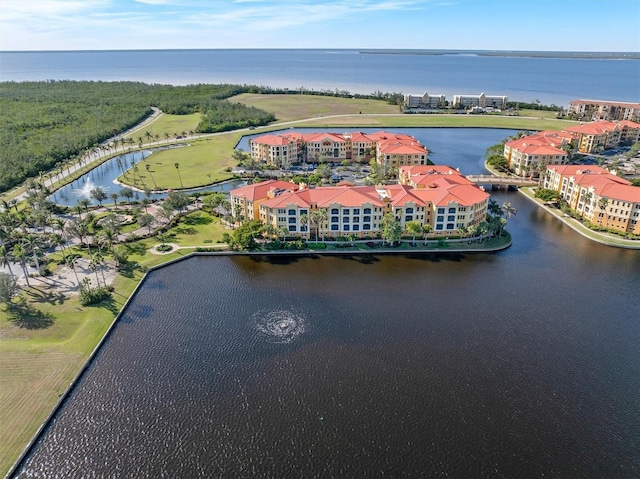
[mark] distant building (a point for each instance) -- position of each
(597, 195)
(424, 101)
(480, 101)
(604, 110)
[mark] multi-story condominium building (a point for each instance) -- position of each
(597, 136)
(424, 101)
(278, 150)
(598, 195)
(604, 110)
(445, 204)
(245, 200)
(480, 101)
(389, 149)
(531, 154)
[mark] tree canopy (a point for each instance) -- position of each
(45, 123)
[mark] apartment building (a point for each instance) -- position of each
(245, 200)
(480, 101)
(424, 101)
(604, 110)
(532, 154)
(390, 150)
(597, 195)
(598, 136)
(445, 206)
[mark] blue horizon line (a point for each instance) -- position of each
(359, 50)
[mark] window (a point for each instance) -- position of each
(356, 219)
(366, 219)
(345, 211)
(356, 211)
(345, 227)
(409, 218)
(334, 227)
(281, 211)
(367, 211)
(334, 211)
(451, 218)
(450, 226)
(439, 227)
(356, 227)
(440, 211)
(304, 212)
(440, 218)
(408, 210)
(452, 210)
(292, 220)
(345, 219)
(366, 226)
(292, 227)
(292, 212)
(335, 219)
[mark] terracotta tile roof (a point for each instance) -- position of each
(620, 192)
(603, 102)
(542, 150)
(272, 140)
(258, 191)
(593, 128)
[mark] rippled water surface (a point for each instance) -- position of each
(515, 364)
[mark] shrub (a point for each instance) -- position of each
(89, 296)
(163, 248)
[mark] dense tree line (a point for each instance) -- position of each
(45, 123)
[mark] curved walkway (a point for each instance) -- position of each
(577, 226)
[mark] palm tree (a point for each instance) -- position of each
(114, 197)
(318, 217)
(177, 165)
(32, 242)
(19, 254)
(304, 221)
(5, 259)
(414, 228)
(148, 168)
(96, 261)
(71, 263)
(284, 232)
(603, 202)
(508, 209)
(146, 221)
(494, 208)
(98, 194)
(426, 230)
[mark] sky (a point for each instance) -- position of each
(544, 25)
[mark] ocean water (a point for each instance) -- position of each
(551, 80)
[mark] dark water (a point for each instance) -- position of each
(524, 363)
(551, 80)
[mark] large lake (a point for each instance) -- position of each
(524, 363)
(550, 80)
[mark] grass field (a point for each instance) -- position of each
(297, 107)
(171, 124)
(202, 163)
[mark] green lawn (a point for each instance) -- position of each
(297, 107)
(171, 124)
(210, 156)
(439, 121)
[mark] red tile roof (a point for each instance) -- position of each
(257, 191)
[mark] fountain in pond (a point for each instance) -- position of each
(85, 190)
(280, 326)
